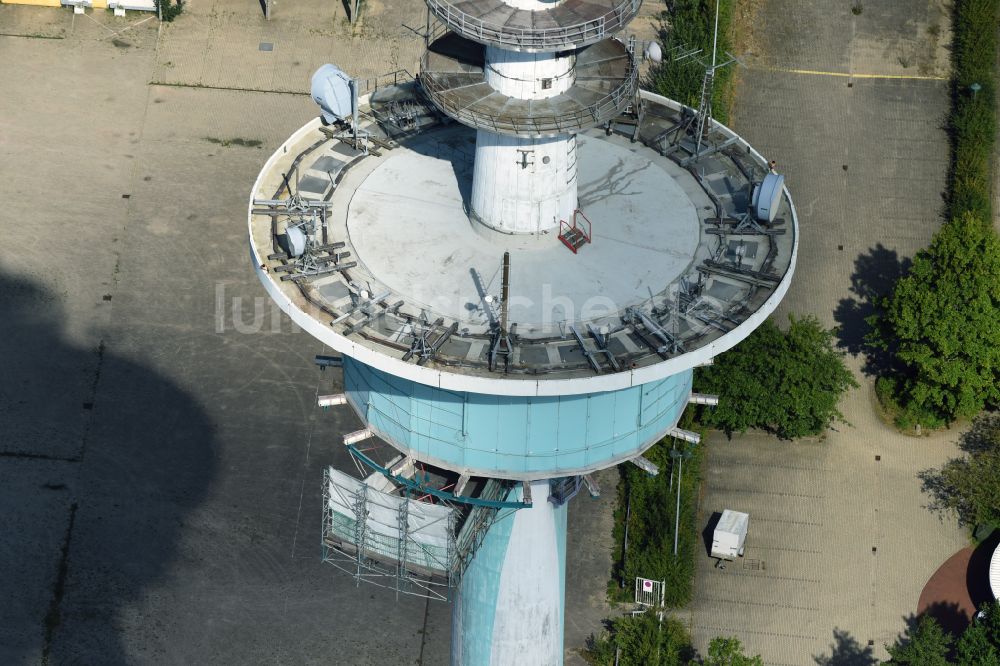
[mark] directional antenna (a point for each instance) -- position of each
(682, 52)
(336, 93)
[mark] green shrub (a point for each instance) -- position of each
(651, 524)
(689, 24)
(643, 641)
(968, 486)
(728, 651)
(923, 644)
(168, 10)
(973, 118)
(786, 382)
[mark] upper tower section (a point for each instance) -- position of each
(535, 26)
(529, 68)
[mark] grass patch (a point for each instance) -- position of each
(890, 411)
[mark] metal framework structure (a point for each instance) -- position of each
(349, 544)
(699, 123)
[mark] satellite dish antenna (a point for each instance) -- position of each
(296, 240)
(653, 52)
(767, 197)
(335, 93)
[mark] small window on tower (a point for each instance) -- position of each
(546, 84)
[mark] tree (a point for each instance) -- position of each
(941, 323)
(168, 10)
(729, 652)
(925, 644)
(976, 649)
(980, 643)
(786, 382)
(970, 486)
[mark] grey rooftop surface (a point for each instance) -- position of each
(668, 275)
(571, 23)
(452, 76)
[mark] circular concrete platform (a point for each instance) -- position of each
(669, 240)
(408, 225)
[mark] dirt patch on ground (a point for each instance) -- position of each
(745, 40)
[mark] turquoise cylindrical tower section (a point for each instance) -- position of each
(510, 607)
(518, 437)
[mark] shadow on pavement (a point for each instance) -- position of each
(87, 535)
(982, 436)
(978, 574)
(950, 616)
(708, 533)
(847, 651)
(875, 273)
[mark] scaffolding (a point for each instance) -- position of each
(385, 539)
(390, 539)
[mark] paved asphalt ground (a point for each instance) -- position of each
(840, 544)
(161, 453)
(161, 450)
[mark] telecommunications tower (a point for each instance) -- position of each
(519, 257)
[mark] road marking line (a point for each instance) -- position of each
(846, 75)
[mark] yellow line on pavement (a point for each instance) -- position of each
(846, 75)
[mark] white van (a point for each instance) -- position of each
(730, 535)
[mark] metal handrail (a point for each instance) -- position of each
(590, 227)
(577, 34)
(531, 125)
(373, 83)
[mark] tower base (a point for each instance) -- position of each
(510, 606)
(524, 186)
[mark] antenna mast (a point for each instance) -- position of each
(701, 120)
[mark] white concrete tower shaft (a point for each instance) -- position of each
(525, 185)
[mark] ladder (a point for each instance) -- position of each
(576, 236)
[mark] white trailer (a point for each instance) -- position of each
(730, 535)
